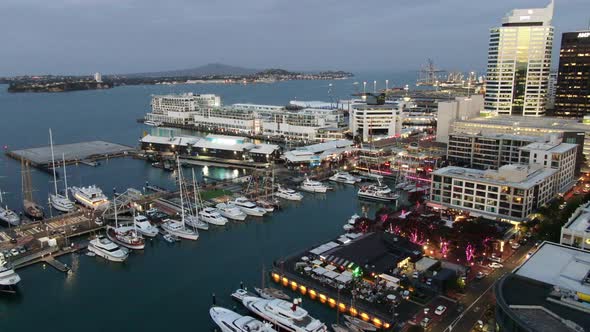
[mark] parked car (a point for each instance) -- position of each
(425, 322)
(14, 251)
(415, 275)
(406, 294)
(515, 246)
(480, 275)
(440, 310)
(495, 259)
(495, 265)
(429, 281)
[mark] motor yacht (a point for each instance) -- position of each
(229, 321)
(313, 186)
(9, 217)
(212, 216)
(152, 123)
(286, 315)
(178, 228)
(288, 194)
(90, 197)
(231, 211)
(107, 249)
(8, 277)
(271, 293)
(248, 207)
(144, 226)
(377, 192)
(126, 236)
(344, 177)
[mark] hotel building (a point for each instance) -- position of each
(180, 109)
(510, 193)
(462, 108)
(519, 61)
(372, 117)
(573, 84)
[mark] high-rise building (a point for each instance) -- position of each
(573, 85)
(519, 61)
(551, 91)
(98, 77)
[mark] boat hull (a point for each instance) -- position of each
(289, 197)
(253, 212)
(314, 189)
(114, 238)
(99, 252)
(184, 234)
(377, 198)
(238, 217)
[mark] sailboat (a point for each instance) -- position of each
(32, 209)
(59, 202)
(193, 219)
(126, 236)
(176, 227)
(7, 216)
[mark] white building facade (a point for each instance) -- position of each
(180, 109)
(519, 61)
(576, 231)
(370, 119)
(462, 108)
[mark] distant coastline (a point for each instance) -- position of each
(52, 83)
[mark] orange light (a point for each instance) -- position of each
(377, 322)
(353, 311)
(342, 306)
(293, 285)
(276, 277)
(285, 281)
(364, 316)
(332, 302)
(303, 289)
(386, 325)
(312, 294)
(322, 298)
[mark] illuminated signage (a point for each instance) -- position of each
(583, 34)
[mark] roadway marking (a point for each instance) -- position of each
(453, 323)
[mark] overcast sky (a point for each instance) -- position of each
(123, 36)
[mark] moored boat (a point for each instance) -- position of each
(285, 315)
(229, 321)
(107, 249)
(212, 216)
(7, 216)
(144, 226)
(313, 186)
(91, 197)
(9, 279)
(248, 207)
(361, 324)
(126, 236)
(344, 177)
(271, 293)
(288, 194)
(231, 211)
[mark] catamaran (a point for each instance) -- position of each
(58, 201)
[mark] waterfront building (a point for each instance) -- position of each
(314, 155)
(556, 155)
(573, 85)
(550, 291)
(510, 193)
(372, 117)
(576, 231)
(571, 131)
(214, 148)
(180, 109)
(462, 108)
(98, 77)
(519, 61)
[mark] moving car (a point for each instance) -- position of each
(495, 265)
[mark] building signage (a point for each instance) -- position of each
(583, 34)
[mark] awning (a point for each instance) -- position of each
(331, 274)
(319, 270)
(330, 268)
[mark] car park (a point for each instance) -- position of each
(440, 310)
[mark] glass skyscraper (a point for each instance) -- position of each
(519, 63)
(573, 83)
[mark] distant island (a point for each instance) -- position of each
(211, 73)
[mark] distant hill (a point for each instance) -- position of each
(212, 69)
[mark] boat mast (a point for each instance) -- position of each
(115, 202)
(180, 185)
(53, 161)
(195, 193)
(63, 161)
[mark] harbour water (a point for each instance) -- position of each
(166, 286)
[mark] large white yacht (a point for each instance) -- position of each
(178, 228)
(91, 197)
(144, 226)
(229, 321)
(107, 249)
(286, 315)
(377, 192)
(345, 177)
(58, 201)
(288, 194)
(212, 216)
(248, 207)
(313, 186)
(231, 211)
(8, 277)
(7, 216)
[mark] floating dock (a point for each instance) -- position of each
(85, 152)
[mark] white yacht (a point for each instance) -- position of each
(107, 249)
(195, 222)
(344, 177)
(58, 201)
(212, 216)
(7, 216)
(231, 211)
(377, 192)
(91, 197)
(313, 186)
(248, 207)
(152, 123)
(178, 228)
(266, 205)
(144, 226)
(288, 194)
(286, 315)
(8, 277)
(229, 321)
(126, 236)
